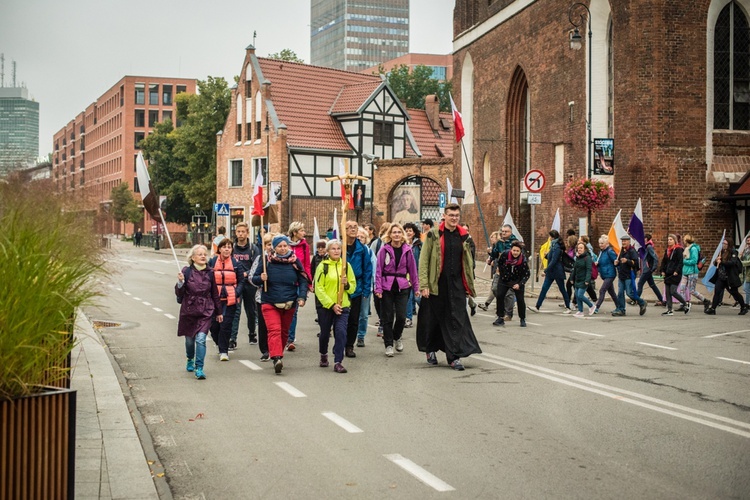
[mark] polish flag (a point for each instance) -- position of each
(258, 196)
(458, 123)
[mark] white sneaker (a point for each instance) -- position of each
(579, 314)
(567, 311)
(389, 351)
(592, 310)
(223, 357)
(399, 345)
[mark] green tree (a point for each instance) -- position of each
(182, 161)
(124, 206)
(412, 86)
(286, 55)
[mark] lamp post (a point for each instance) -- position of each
(576, 39)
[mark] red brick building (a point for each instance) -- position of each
(662, 87)
(96, 150)
(297, 123)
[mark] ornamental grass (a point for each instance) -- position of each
(49, 259)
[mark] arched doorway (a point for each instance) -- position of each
(414, 199)
(517, 150)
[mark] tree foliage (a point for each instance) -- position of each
(412, 86)
(124, 206)
(286, 55)
(182, 160)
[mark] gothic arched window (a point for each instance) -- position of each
(732, 69)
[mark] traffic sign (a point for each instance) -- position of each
(534, 180)
(534, 199)
(222, 209)
(441, 200)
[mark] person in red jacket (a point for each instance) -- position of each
(229, 278)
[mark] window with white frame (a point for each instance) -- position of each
(235, 173)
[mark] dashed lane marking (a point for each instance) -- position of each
(587, 333)
(341, 422)
(423, 475)
(157, 309)
(127, 293)
(250, 365)
(169, 316)
(735, 360)
(723, 334)
(159, 272)
(146, 303)
(657, 346)
(291, 390)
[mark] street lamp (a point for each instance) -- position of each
(576, 42)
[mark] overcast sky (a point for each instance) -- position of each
(69, 52)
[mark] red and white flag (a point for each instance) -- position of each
(258, 196)
(458, 123)
(342, 181)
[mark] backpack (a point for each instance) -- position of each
(701, 260)
(567, 261)
(186, 275)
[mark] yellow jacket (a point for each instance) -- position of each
(327, 276)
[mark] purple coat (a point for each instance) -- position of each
(386, 271)
(200, 299)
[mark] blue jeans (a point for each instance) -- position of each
(626, 287)
(648, 277)
(293, 326)
(199, 352)
(364, 315)
(558, 278)
(746, 288)
(410, 304)
(581, 298)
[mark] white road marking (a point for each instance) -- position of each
(118, 289)
(157, 309)
(415, 470)
(136, 298)
(587, 333)
(159, 272)
(657, 346)
(533, 324)
(128, 294)
(146, 303)
(293, 391)
(612, 392)
(341, 422)
(722, 334)
(735, 360)
(250, 365)
(169, 316)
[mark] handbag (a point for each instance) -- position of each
(594, 271)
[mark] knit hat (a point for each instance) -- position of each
(279, 238)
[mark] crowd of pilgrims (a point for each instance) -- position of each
(272, 283)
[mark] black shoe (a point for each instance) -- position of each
(668, 312)
(278, 365)
(431, 358)
(360, 342)
(473, 310)
(253, 340)
(710, 311)
(688, 306)
(523, 323)
(264, 356)
(232, 345)
(456, 365)
(643, 306)
(706, 303)
(744, 310)
(349, 352)
(498, 322)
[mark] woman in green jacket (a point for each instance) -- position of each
(332, 312)
(690, 272)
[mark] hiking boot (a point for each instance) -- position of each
(389, 351)
(360, 342)
(431, 358)
(339, 368)
(484, 306)
(456, 365)
(324, 360)
(190, 365)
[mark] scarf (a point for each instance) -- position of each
(289, 258)
(199, 267)
(511, 261)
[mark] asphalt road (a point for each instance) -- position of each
(634, 407)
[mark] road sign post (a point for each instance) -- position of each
(534, 181)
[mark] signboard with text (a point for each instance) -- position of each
(604, 156)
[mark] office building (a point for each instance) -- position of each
(19, 129)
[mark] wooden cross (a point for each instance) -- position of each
(346, 181)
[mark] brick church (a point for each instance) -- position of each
(670, 85)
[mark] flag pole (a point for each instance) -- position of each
(169, 238)
(476, 196)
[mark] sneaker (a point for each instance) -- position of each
(642, 309)
(668, 312)
(399, 345)
(339, 368)
(408, 323)
(278, 365)
(389, 351)
(533, 309)
(360, 342)
(592, 310)
(253, 340)
(523, 323)
(618, 312)
(498, 322)
(744, 310)
(473, 310)
(579, 314)
(190, 365)
(199, 374)
(232, 345)
(483, 307)
(349, 352)
(431, 358)
(224, 356)
(456, 365)
(380, 331)
(688, 306)
(706, 303)
(324, 360)
(291, 347)
(711, 311)
(567, 310)
(596, 310)
(264, 356)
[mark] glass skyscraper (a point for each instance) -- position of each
(19, 129)
(356, 34)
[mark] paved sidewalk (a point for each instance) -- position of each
(110, 462)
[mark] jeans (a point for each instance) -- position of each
(277, 322)
(648, 277)
(247, 299)
(393, 307)
(582, 299)
(220, 332)
(411, 304)
(195, 347)
(746, 288)
(609, 286)
(327, 319)
(558, 278)
(364, 316)
(293, 326)
(626, 287)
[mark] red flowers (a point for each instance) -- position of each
(588, 194)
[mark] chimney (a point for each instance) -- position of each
(432, 108)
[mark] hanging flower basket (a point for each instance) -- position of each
(588, 194)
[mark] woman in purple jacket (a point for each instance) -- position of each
(395, 274)
(199, 298)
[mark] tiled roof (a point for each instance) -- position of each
(303, 96)
(351, 97)
(431, 144)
